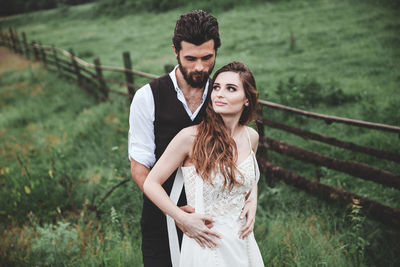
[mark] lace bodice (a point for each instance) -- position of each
(217, 200)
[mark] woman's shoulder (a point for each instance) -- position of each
(252, 132)
(254, 136)
(190, 131)
(187, 135)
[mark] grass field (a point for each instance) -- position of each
(61, 150)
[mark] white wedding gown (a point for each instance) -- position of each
(225, 207)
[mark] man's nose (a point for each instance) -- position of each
(199, 66)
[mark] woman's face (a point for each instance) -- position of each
(228, 97)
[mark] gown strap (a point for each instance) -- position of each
(248, 138)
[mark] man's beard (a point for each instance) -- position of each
(201, 76)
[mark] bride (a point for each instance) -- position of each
(216, 160)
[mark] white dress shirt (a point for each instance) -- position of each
(141, 144)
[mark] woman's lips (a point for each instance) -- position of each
(219, 103)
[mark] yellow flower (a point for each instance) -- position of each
(27, 190)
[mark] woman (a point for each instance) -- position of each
(217, 159)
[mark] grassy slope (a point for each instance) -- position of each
(353, 44)
(55, 163)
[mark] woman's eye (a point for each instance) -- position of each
(215, 87)
(231, 89)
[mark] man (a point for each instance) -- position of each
(161, 109)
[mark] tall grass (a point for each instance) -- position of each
(61, 150)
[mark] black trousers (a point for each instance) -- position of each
(155, 244)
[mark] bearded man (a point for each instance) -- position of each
(160, 109)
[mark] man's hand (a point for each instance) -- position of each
(195, 228)
(248, 211)
(187, 209)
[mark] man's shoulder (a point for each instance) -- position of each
(143, 91)
(160, 82)
(143, 97)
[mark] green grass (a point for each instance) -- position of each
(61, 150)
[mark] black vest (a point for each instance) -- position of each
(170, 118)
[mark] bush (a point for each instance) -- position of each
(56, 244)
(23, 6)
(310, 93)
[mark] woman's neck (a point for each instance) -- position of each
(232, 124)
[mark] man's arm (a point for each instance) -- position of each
(139, 173)
(141, 135)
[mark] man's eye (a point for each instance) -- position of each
(191, 59)
(207, 57)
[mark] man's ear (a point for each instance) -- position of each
(175, 51)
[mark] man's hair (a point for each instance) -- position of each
(196, 27)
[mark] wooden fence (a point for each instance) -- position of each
(360, 170)
(91, 78)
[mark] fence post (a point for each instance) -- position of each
(25, 45)
(55, 57)
(128, 75)
(168, 68)
(1, 37)
(102, 83)
(7, 40)
(260, 126)
(12, 39)
(317, 174)
(76, 67)
(35, 51)
(43, 54)
(18, 45)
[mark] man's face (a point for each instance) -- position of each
(196, 62)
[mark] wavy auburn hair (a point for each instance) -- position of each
(213, 146)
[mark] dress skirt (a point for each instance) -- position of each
(231, 251)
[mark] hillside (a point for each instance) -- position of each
(62, 151)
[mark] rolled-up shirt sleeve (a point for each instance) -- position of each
(141, 145)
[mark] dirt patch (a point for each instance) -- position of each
(52, 140)
(111, 118)
(9, 61)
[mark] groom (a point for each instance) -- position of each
(159, 110)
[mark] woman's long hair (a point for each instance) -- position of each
(213, 146)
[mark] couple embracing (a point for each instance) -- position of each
(194, 157)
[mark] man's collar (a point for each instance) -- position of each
(172, 75)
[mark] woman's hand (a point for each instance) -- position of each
(248, 211)
(195, 227)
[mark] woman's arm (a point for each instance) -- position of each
(250, 208)
(176, 152)
(249, 211)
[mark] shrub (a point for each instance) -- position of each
(310, 93)
(56, 244)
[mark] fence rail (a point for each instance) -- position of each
(90, 77)
(329, 119)
(331, 141)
